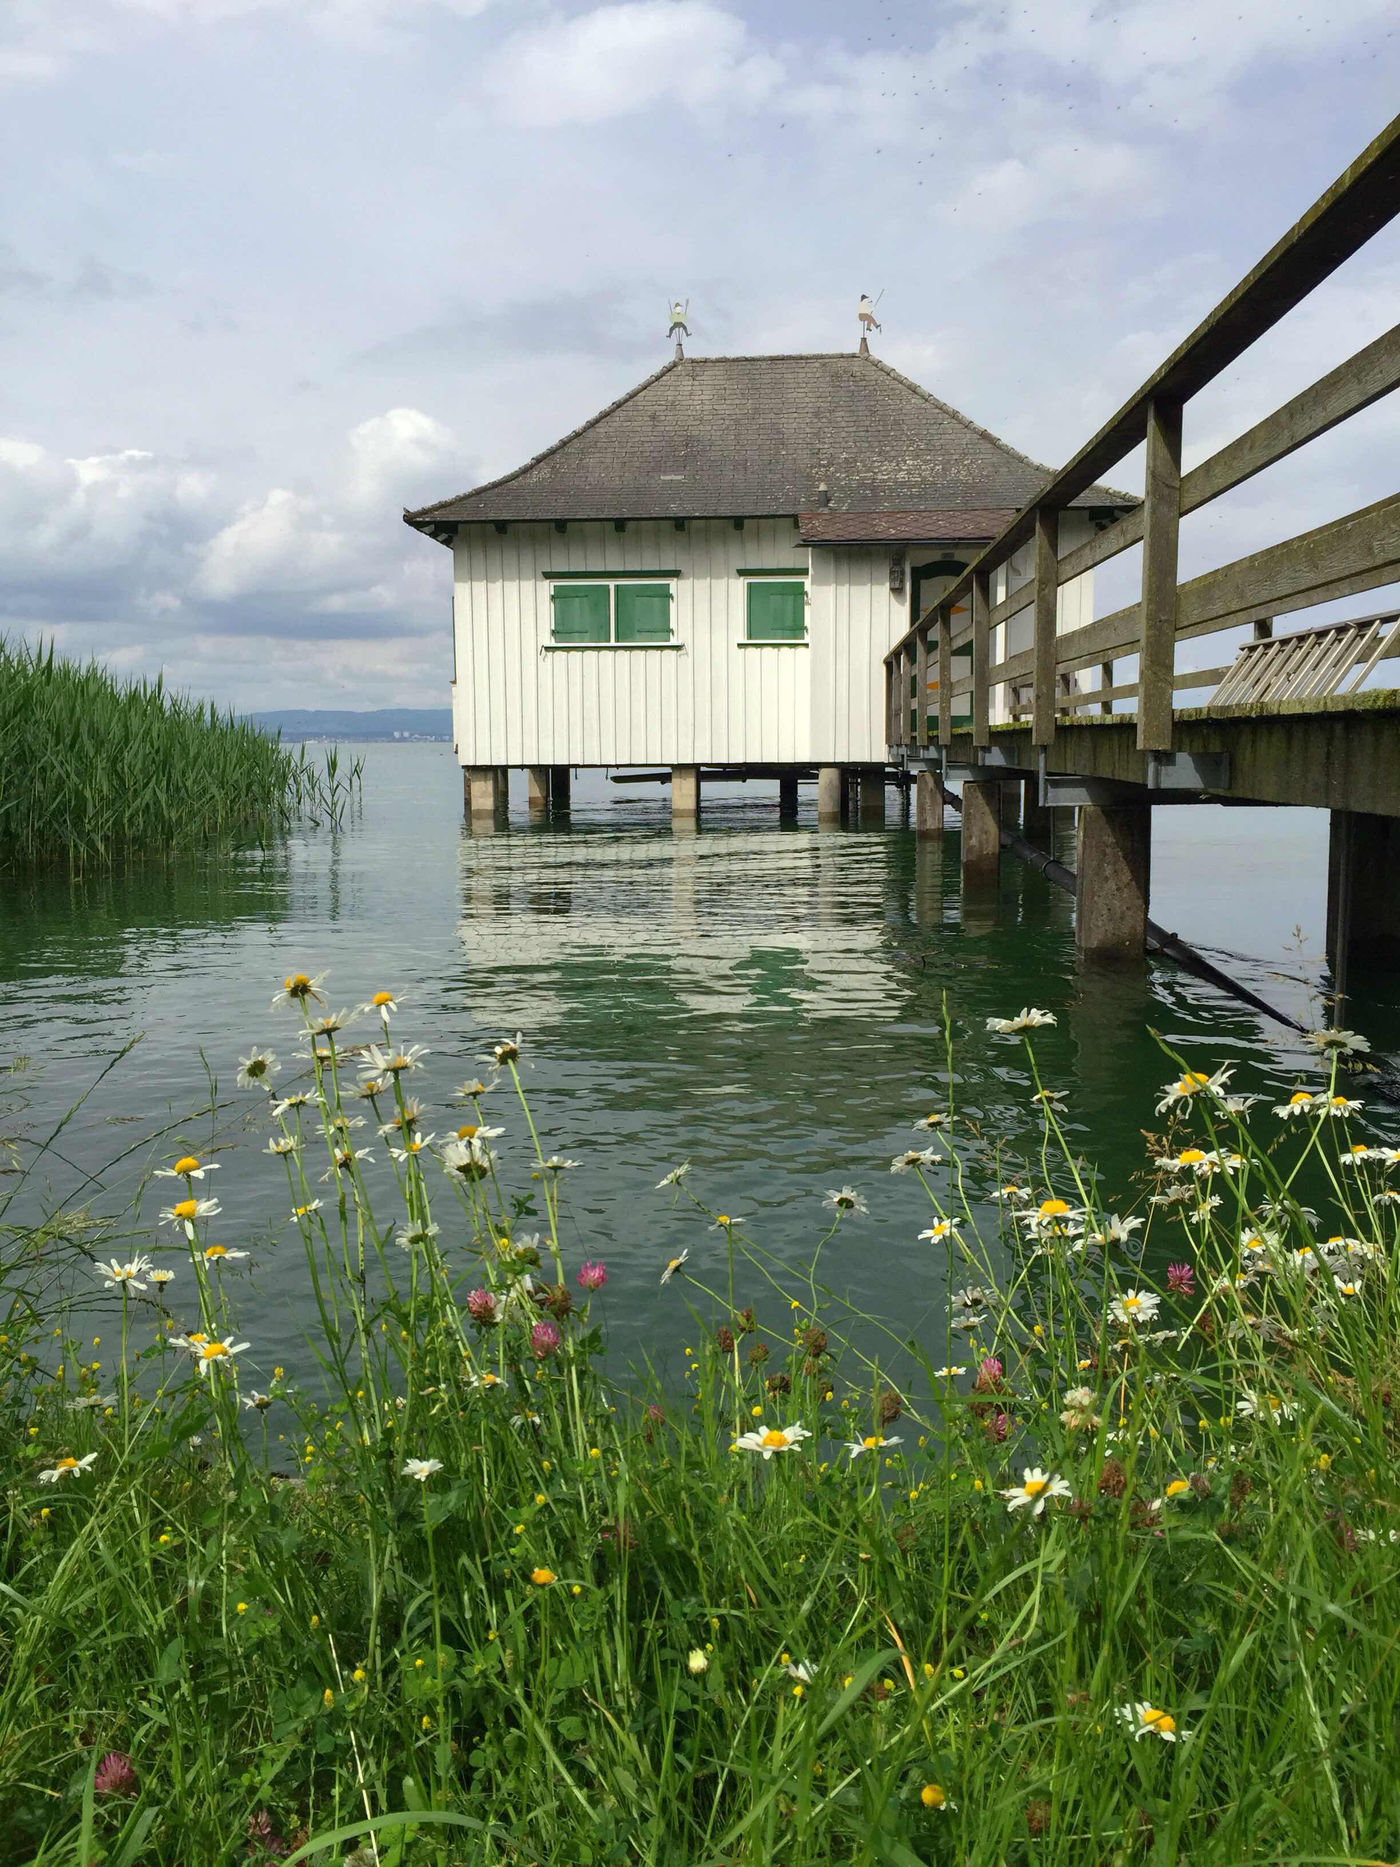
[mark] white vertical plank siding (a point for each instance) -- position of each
(710, 701)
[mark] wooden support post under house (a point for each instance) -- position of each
(559, 781)
(685, 793)
(981, 658)
(872, 794)
(1112, 874)
(787, 794)
(483, 792)
(537, 789)
(1161, 525)
(829, 795)
(981, 833)
(928, 805)
(1045, 611)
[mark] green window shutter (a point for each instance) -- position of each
(777, 611)
(642, 612)
(580, 612)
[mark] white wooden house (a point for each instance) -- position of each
(706, 575)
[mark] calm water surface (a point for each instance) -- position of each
(764, 1001)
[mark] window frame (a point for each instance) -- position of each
(611, 582)
(766, 580)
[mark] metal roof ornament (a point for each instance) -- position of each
(865, 312)
(680, 311)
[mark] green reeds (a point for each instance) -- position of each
(1105, 1572)
(93, 768)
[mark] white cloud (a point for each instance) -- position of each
(113, 512)
(617, 60)
(397, 455)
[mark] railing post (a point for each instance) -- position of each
(921, 688)
(1047, 594)
(981, 658)
(1106, 680)
(892, 668)
(945, 677)
(1161, 525)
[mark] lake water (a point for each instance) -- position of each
(764, 1000)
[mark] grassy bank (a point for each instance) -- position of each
(1109, 1576)
(92, 768)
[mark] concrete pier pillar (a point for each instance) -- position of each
(1113, 865)
(829, 788)
(483, 792)
(685, 793)
(559, 778)
(981, 833)
(928, 805)
(1037, 819)
(872, 795)
(787, 794)
(537, 789)
(1363, 893)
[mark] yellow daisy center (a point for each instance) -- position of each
(1034, 1486)
(722, 1218)
(1192, 1156)
(541, 1577)
(1298, 1098)
(1192, 1081)
(212, 1350)
(187, 1164)
(216, 1251)
(1176, 1487)
(1132, 1303)
(1054, 1208)
(66, 1465)
(382, 998)
(932, 1796)
(297, 983)
(1158, 1720)
(186, 1208)
(776, 1437)
(870, 1443)
(466, 1131)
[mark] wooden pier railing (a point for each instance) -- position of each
(965, 665)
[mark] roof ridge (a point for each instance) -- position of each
(487, 486)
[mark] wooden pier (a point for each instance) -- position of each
(1287, 721)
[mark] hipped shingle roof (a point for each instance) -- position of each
(756, 437)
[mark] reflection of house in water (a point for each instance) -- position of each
(707, 575)
(676, 928)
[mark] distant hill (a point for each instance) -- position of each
(345, 723)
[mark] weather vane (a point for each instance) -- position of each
(865, 311)
(680, 311)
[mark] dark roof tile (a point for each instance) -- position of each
(754, 437)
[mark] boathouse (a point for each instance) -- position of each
(706, 576)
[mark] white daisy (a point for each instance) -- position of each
(1029, 1018)
(188, 1167)
(1338, 1043)
(67, 1468)
(674, 1177)
(124, 1276)
(1145, 1720)
(186, 1213)
(871, 1443)
(257, 1069)
(845, 1199)
(213, 1354)
(161, 1278)
(421, 1469)
(913, 1159)
(798, 1670)
(384, 1005)
(1193, 1083)
(1301, 1102)
(393, 1062)
(939, 1230)
(412, 1147)
(1035, 1490)
(949, 1373)
(766, 1440)
(282, 1144)
(932, 1121)
(674, 1265)
(1134, 1307)
(220, 1254)
(298, 990)
(301, 1213)
(1271, 1408)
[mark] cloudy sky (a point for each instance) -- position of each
(271, 269)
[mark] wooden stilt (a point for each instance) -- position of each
(829, 787)
(928, 805)
(537, 789)
(685, 793)
(787, 795)
(981, 833)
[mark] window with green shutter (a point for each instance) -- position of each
(642, 612)
(582, 612)
(777, 611)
